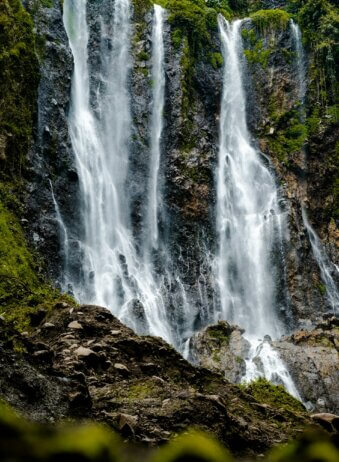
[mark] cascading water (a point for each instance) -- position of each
(329, 272)
(300, 61)
(158, 79)
(61, 225)
(249, 222)
(114, 274)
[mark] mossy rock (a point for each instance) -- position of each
(220, 332)
(19, 77)
(274, 395)
(270, 20)
(22, 289)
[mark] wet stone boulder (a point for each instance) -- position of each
(313, 361)
(222, 348)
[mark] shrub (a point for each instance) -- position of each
(268, 20)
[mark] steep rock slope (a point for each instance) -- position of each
(310, 356)
(81, 362)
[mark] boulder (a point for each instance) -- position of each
(313, 361)
(75, 325)
(222, 348)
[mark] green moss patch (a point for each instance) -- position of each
(22, 289)
(270, 20)
(220, 332)
(19, 77)
(275, 395)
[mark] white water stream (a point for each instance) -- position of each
(114, 274)
(328, 270)
(158, 79)
(300, 60)
(124, 277)
(249, 222)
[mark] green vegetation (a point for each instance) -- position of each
(140, 8)
(194, 19)
(322, 288)
(18, 85)
(217, 60)
(270, 20)
(275, 395)
(319, 21)
(258, 54)
(22, 290)
(141, 390)
(289, 136)
(21, 440)
(258, 46)
(220, 332)
(193, 446)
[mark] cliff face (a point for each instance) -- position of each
(297, 142)
(303, 163)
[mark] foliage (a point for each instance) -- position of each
(195, 19)
(22, 290)
(258, 54)
(319, 21)
(18, 84)
(274, 395)
(21, 440)
(311, 447)
(192, 446)
(140, 8)
(217, 60)
(220, 332)
(270, 20)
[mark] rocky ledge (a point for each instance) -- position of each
(311, 356)
(82, 363)
(313, 361)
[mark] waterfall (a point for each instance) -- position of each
(114, 274)
(300, 61)
(328, 270)
(158, 79)
(62, 228)
(249, 223)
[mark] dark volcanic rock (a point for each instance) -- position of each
(139, 386)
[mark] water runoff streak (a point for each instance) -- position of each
(328, 270)
(300, 61)
(249, 223)
(114, 274)
(158, 79)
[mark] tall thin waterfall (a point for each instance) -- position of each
(114, 275)
(300, 61)
(249, 222)
(158, 79)
(62, 228)
(329, 272)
